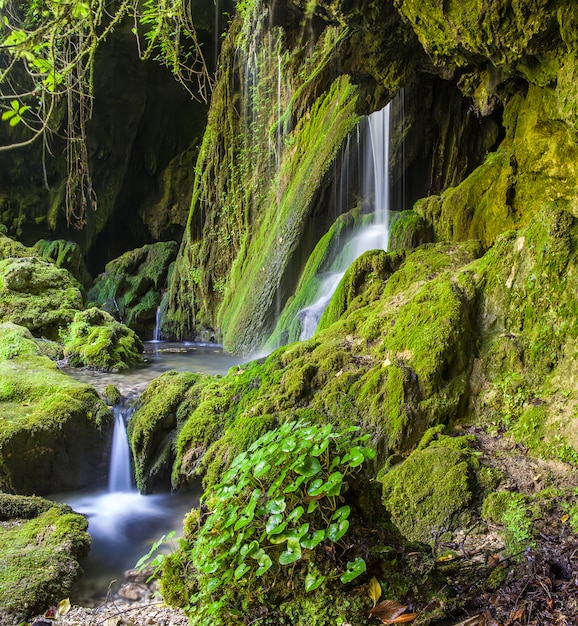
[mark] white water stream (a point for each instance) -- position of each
(123, 523)
(375, 189)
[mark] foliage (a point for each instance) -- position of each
(276, 504)
(511, 510)
(47, 57)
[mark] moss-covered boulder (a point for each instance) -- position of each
(524, 381)
(154, 426)
(37, 294)
(130, 288)
(41, 544)
(66, 254)
(430, 493)
(55, 430)
(96, 340)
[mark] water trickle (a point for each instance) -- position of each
(120, 472)
(375, 189)
(157, 330)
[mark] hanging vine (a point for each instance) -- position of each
(47, 52)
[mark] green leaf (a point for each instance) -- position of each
(276, 505)
(355, 457)
(295, 514)
(342, 512)
(354, 569)
(312, 506)
(8, 114)
(336, 530)
(312, 540)
(292, 487)
(261, 469)
(213, 584)
(292, 553)
(313, 582)
(316, 487)
(308, 467)
(241, 570)
(273, 525)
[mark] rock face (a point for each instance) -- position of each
(55, 430)
(131, 287)
(41, 544)
(487, 122)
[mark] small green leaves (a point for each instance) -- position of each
(312, 582)
(279, 500)
(354, 569)
(292, 553)
(14, 114)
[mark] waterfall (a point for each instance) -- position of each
(120, 472)
(157, 330)
(375, 190)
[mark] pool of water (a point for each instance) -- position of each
(124, 524)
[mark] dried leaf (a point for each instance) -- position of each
(51, 613)
(374, 590)
(403, 619)
(564, 518)
(390, 612)
(444, 558)
(64, 607)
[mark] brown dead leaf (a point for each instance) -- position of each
(391, 612)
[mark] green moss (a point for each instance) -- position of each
(40, 548)
(408, 230)
(131, 285)
(429, 493)
(153, 427)
(95, 339)
(510, 510)
(38, 295)
(532, 166)
(67, 255)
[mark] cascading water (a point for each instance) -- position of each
(122, 522)
(375, 190)
(157, 329)
(120, 472)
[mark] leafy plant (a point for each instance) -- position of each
(279, 501)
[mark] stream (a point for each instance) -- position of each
(123, 523)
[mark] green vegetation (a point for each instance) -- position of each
(130, 288)
(276, 505)
(95, 339)
(41, 544)
(154, 426)
(46, 415)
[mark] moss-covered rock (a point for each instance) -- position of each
(96, 340)
(524, 380)
(66, 254)
(41, 544)
(154, 426)
(35, 293)
(54, 429)
(130, 289)
(430, 493)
